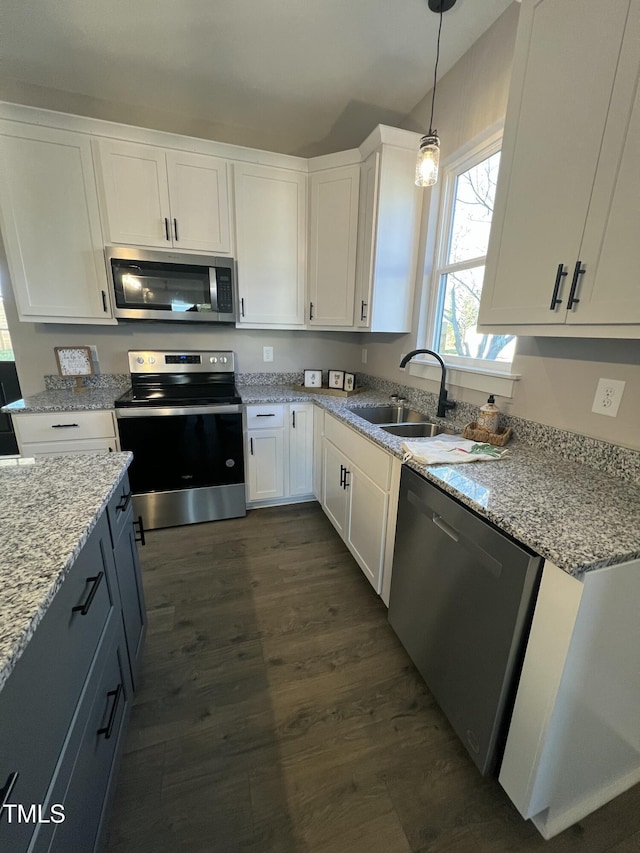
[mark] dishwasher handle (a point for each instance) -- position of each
(451, 532)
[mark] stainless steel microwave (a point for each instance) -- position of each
(159, 285)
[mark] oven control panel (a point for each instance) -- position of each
(174, 361)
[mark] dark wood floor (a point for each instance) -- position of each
(277, 712)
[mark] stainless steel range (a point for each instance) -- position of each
(182, 419)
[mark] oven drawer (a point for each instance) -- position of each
(64, 426)
(265, 417)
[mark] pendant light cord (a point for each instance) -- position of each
(435, 72)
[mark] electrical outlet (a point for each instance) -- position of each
(267, 353)
(364, 355)
(608, 396)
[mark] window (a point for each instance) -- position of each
(466, 209)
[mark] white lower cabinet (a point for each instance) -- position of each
(45, 434)
(359, 490)
(279, 452)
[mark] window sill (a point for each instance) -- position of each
(487, 381)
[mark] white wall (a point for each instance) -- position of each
(559, 377)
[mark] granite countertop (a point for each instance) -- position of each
(65, 400)
(48, 510)
(577, 517)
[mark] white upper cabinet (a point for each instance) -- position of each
(567, 202)
(333, 234)
(271, 225)
(163, 198)
(51, 225)
(389, 232)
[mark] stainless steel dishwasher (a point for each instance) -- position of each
(462, 597)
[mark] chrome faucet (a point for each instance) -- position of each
(443, 403)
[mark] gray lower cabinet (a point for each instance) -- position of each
(64, 708)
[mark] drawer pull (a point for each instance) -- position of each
(63, 426)
(270, 415)
(84, 608)
(5, 792)
(124, 503)
(141, 537)
(107, 731)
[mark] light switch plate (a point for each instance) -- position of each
(608, 396)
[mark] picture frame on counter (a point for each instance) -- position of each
(349, 381)
(313, 378)
(336, 378)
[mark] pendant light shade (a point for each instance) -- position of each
(428, 160)
(429, 153)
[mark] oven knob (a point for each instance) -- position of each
(140, 359)
(152, 360)
(224, 359)
(213, 359)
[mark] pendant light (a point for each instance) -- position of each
(429, 153)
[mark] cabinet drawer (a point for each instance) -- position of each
(39, 699)
(85, 445)
(375, 462)
(85, 770)
(265, 417)
(64, 426)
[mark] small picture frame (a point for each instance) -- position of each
(349, 381)
(313, 378)
(336, 379)
(74, 361)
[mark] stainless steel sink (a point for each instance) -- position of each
(389, 415)
(418, 430)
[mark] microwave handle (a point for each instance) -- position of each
(213, 288)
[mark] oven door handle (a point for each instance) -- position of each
(177, 411)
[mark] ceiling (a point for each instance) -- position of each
(296, 76)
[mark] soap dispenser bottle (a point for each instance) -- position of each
(489, 415)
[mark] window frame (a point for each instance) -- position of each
(474, 373)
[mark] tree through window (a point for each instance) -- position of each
(462, 248)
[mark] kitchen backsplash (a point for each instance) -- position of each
(118, 381)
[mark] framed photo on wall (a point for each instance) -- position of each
(336, 379)
(349, 381)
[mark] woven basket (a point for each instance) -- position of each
(477, 433)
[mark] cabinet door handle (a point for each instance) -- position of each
(141, 537)
(124, 501)
(242, 307)
(293, 418)
(5, 792)
(166, 229)
(267, 415)
(556, 287)
(577, 272)
(251, 446)
(311, 310)
(104, 300)
(107, 730)
(347, 483)
(63, 426)
(363, 305)
(84, 608)
(343, 471)
(175, 228)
